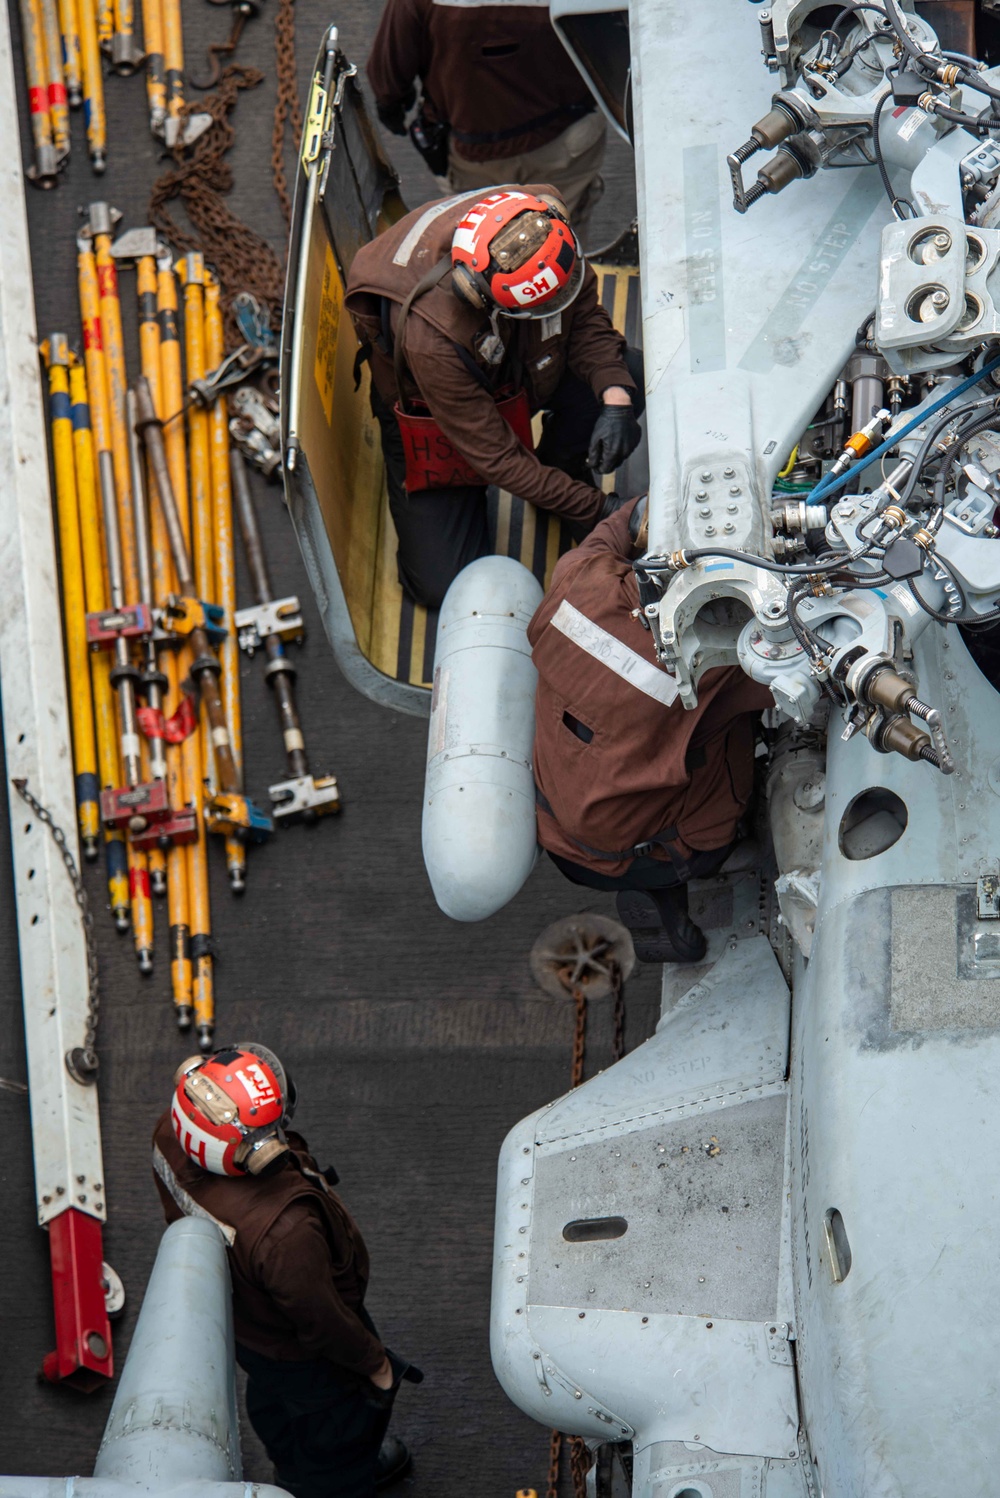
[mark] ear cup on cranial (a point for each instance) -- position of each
(465, 287)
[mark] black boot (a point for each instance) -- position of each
(394, 1461)
(661, 929)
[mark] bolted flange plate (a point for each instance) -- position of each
(581, 950)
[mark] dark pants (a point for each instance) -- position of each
(442, 530)
(646, 873)
(317, 1425)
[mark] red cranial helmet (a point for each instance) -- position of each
(228, 1109)
(516, 254)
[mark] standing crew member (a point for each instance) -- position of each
(476, 313)
(501, 99)
(635, 793)
(321, 1383)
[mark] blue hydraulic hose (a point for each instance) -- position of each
(828, 485)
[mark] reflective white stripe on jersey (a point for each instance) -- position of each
(184, 1200)
(409, 244)
(611, 652)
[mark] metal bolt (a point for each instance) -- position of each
(733, 509)
(729, 473)
(710, 530)
(701, 494)
(81, 1198)
(707, 476)
(942, 241)
(729, 527)
(80, 1180)
(46, 1200)
(577, 1394)
(939, 299)
(705, 511)
(735, 489)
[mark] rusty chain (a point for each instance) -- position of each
(81, 1062)
(288, 107)
(200, 177)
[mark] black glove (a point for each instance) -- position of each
(612, 504)
(393, 116)
(616, 434)
(383, 1399)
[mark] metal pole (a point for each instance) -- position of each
(105, 13)
(101, 219)
(192, 271)
(227, 809)
(280, 672)
(225, 562)
(126, 54)
(69, 25)
(58, 108)
(161, 368)
(156, 78)
(303, 796)
(46, 163)
(101, 412)
(56, 352)
(93, 88)
(92, 551)
(173, 62)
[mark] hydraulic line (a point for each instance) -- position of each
(69, 25)
(92, 551)
(156, 78)
(100, 407)
(192, 272)
(163, 376)
(43, 170)
(93, 88)
(827, 486)
(58, 107)
(56, 352)
(225, 562)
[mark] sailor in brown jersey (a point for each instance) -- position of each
(477, 312)
(635, 793)
(501, 99)
(321, 1382)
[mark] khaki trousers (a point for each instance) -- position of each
(571, 162)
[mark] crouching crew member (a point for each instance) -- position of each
(502, 100)
(476, 313)
(321, 1383)
(635, 793)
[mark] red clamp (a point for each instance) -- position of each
(134, 807)
(179, 827)
(132, 623)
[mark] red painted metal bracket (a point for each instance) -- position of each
(83, 1356)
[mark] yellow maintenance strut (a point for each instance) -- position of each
(55, 351)
(69, 25)
(198, 763)
(92, 549)
(97, 380)
(93, 88)
(225, 561)
(36, 66)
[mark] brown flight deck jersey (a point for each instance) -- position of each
(298, 1263)
(537, 352)
(496, 73)
(618, 759)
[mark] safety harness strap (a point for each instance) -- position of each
(666, 838)
(184, 1200)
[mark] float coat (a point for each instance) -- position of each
(497, 74)
(618, 759)
(479, 801)
(441, 331)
